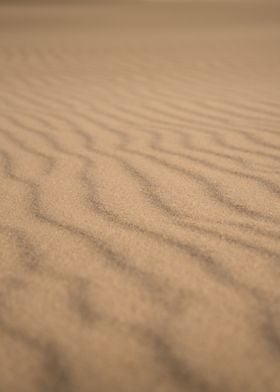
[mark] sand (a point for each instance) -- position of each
(139, 183)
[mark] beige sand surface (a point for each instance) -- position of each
(139, 198)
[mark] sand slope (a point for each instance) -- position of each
(139, 183)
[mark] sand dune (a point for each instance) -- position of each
(139, 178)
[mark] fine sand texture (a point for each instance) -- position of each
(139, 198)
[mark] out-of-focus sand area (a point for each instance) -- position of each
(139, 197)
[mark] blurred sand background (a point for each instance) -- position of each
(139, 196)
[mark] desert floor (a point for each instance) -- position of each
(139, 198)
